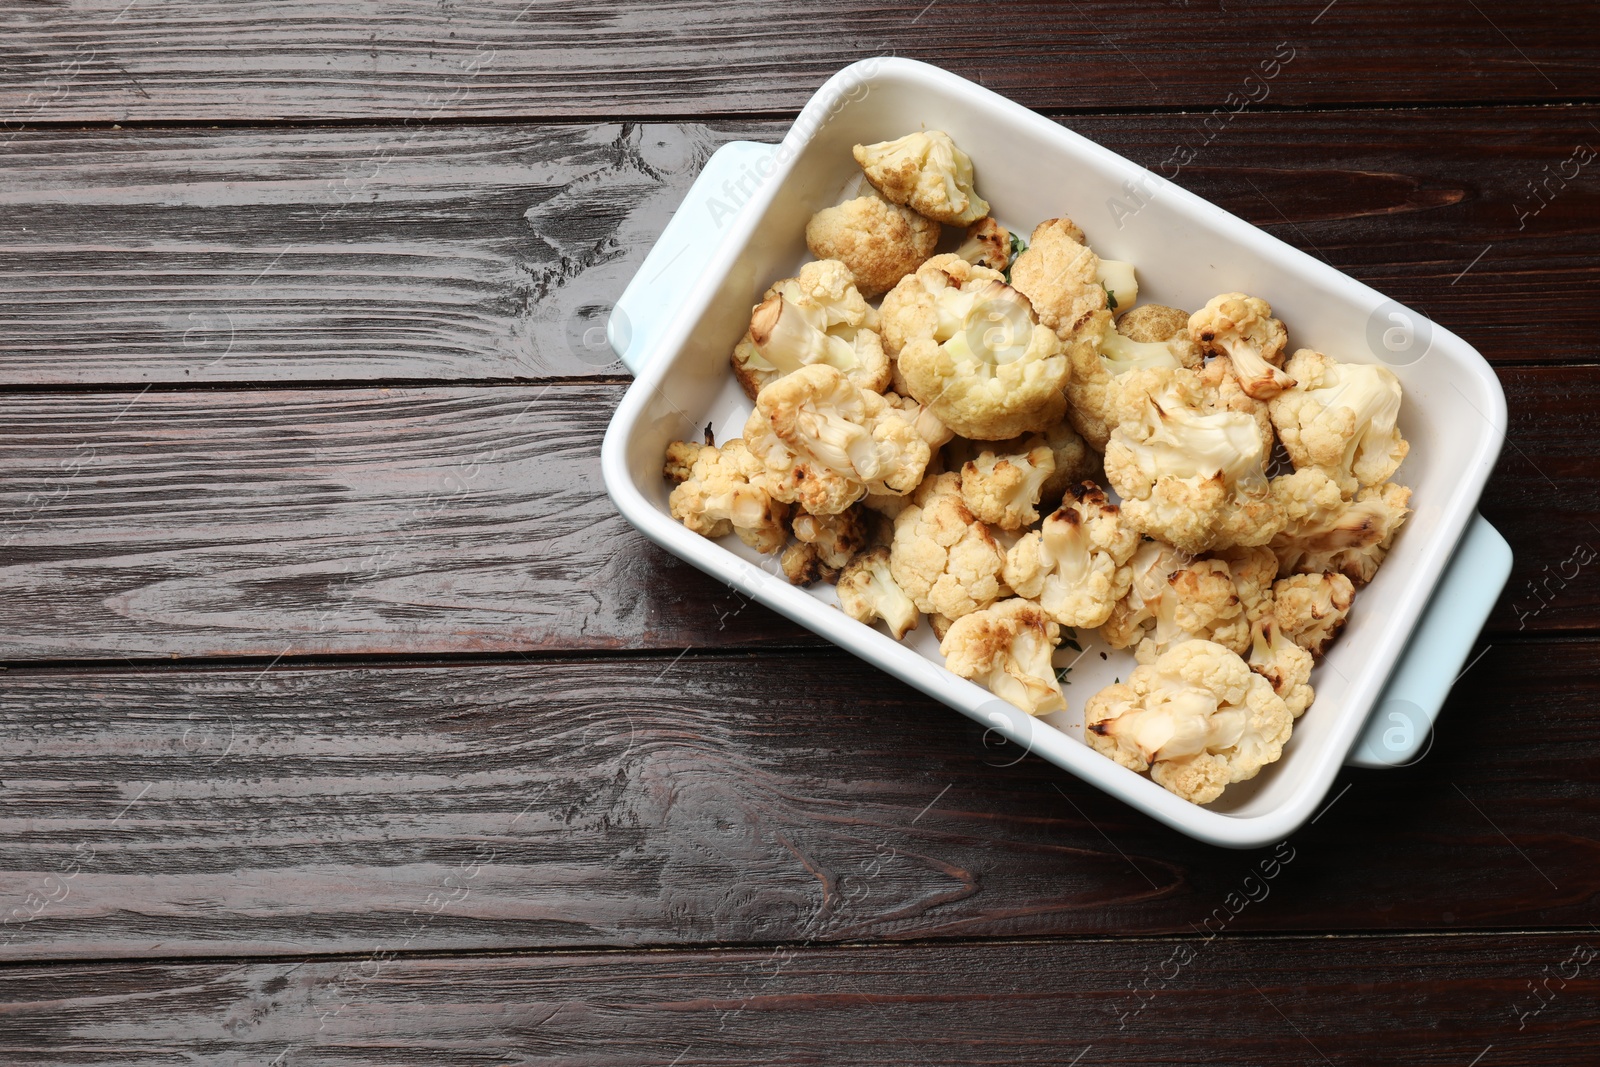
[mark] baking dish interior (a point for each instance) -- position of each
(1186, 251)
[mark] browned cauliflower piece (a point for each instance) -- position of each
(802, 565)
(1150, 335)
(725, 490)
(1200, 601)
(817, 317)
(878, 241)
(834, 539)
(968, 347)
(1003, 488)
(868, 592)
(1341, 419)
(1242, 328)
(828, 443)
(1198, 719)
(1060, 277)
(987, 244)
(1252, 571)
(926, 172)
(1283, 663)
(1325, 531)
(943, 557)
(1075, 462)
(1076, 564)
(1310, 609)
(1192, 479)
(1006, 649)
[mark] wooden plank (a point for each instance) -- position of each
(303, 522)
(106, 60)
(464, 520)
(1415, 1000)
(486, 252)
(717, 799)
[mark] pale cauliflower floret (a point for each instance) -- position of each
(1148, 336)
(1340, 417)
(928, 173)
(1223, 393)
(814, 422)
(1198, 719)
(878, 241)
(987, 244)
(1200, 601)
(817, 317)
(968, 347)
(868, 592)
(1076, 564)
(1007, 648)
(1192, 479)
(1242, 328)
(1283, 663)
(1003, 488)
(1150, 568)
(1310, 609)
(725, 490)
(943, 557)
(1325, 531)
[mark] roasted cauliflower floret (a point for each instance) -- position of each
(1191, 479)
(1310, 609)
(1149, 336)
(817, 317)
(878, 241)
(1200, 601)
(1060, 277)
(1003, 488)
(1325, 531)
(837, 538)
(926, 172)
(1075, 461)
(1198, 719)
(1242, 328)
(943, 557)
(1076, 564)
(1150, 568)
(1007, 648)
(1252, 571)
(968, 347)
(1340, 418)
(868, 592)
(1283, 663)
(987, 244)
(725, 490)
(828, 443)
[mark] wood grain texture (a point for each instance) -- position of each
(459, 520)
(1430, 1000)
(300, 522)
(214, 61)
(656, 802)
(486, 252)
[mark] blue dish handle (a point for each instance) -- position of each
(1402, 719)
(679, 257)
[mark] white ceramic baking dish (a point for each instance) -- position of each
(741, 228)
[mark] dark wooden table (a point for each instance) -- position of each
(346, 722)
